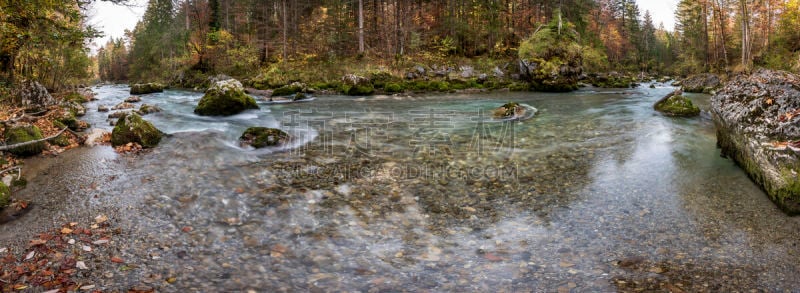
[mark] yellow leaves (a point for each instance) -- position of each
(769, 101)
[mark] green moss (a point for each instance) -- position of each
(519, 87)
(67, 119)
(22, 134)
(678, 106)
(441, 86)
(5, 195)
(219, 101)
(299, 96)
(75, 97)
(260, 137)
(21, 182)
(381, 78)
(132, 128)
(360, 90)
(556, 85)
(393, 87)
(286, 90)
(61, 140)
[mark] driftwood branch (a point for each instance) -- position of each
(13, 146)
(18, 168)
(14, 120)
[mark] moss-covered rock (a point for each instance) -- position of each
(75, 97)
(132, 128)
(393, 87)
(611, 80)
(259, 137)
(300, 97)
(509, 110)
(225, 98)
(675, 104)
(61, 140)
(551, 59)
(5, 195)
(145, 109)
(287, 90)
(360, 90)
(25, 133)
(146, 88)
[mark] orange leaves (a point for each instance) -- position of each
(130, 147)
(50, 262)
(789, 115)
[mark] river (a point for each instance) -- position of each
(596, 192)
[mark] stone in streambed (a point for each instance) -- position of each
(675, 104)
(132, 128)
(21, 134)
(146, 88)
(259, 137)
(225, 98)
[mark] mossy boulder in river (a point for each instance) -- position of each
(132, 128)
(355, 85)
(259, 137)
(22, 134)
(225, 98)
(757, 122)
(146, 88)
(675, 104)
(509, 110)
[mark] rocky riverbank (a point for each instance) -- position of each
(757, 121)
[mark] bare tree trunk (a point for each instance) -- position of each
(361, 26)
(746, 58)
(285, 29)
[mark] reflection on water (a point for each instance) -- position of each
(596, 192)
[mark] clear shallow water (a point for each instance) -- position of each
(597, 192)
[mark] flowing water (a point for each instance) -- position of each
(596, 192)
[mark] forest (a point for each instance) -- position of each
(47, 40)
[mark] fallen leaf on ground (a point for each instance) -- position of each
(100, 219)
(30, 255)
(117, 260)
(35, 242)
(66, 230)
(81, 265)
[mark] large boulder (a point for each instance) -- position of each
(675, 104)
(259, 137)
(225, 98)
(21, 134)
(355, 85)
(701, 83)
(132, 128)
(146, 88)
(33, 95)
(758, 126)
(551, 59)
(148, 109)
